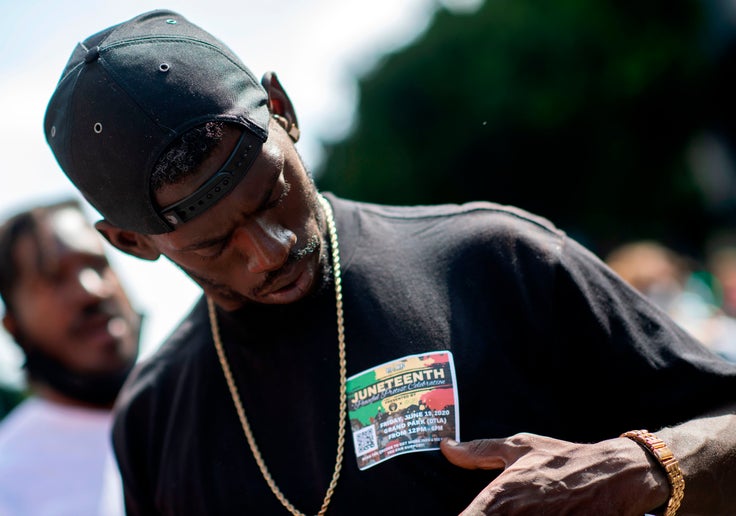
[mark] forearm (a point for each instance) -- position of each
(706, 450)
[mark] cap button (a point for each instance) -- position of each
(92, 54)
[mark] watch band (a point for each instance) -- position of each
(659, 449)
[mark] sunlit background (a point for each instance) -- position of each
(613, 119)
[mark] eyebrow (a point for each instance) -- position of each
(226, 236)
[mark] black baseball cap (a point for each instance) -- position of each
(127, 93)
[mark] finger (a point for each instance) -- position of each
(478, 454)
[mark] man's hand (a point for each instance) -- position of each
(548, 476)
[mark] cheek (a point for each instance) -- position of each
(39, 304)
(117, 293)
(301, 208)
(43, 317)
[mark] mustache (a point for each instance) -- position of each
(312, 246)
(103, 309)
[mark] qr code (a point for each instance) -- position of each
(365, 440)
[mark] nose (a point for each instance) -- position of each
(264, 245)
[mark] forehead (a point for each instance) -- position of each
(71, 232)
(56, 236)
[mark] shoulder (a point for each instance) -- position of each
(30, 426)
(478, 209)
(472, 215)
(485, 227)
(22, 418)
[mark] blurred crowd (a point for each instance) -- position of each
(700, 295)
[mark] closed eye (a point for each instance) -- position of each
(214, 250)
(275, 198)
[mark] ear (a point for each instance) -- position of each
(129, 242)
(280, 105)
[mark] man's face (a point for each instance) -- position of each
(68, 303)
(261, 243)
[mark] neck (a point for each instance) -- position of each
(54, 380)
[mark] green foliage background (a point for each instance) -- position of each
(578, 110)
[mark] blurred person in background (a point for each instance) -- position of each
(653, 269)
(68, 313)
(722, 265)
(686, 292)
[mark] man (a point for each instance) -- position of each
(68, 313)
(475, 322)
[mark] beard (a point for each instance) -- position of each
(314, 245)
(99, 389)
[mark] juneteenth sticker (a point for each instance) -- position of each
(404, 406)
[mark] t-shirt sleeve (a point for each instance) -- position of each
(624, 362)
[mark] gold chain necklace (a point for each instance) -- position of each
(343, 394)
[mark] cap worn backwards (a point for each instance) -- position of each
(127, 93)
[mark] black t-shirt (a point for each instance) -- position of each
(545, 339)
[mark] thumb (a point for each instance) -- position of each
(478, 454)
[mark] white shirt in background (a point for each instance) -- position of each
(56, 460)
